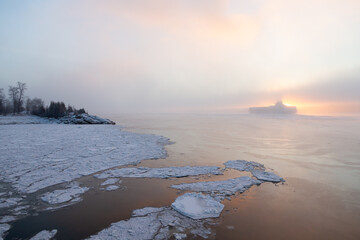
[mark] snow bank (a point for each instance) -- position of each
(44, 235)
(38, 156)
(153, 223)
(227, 187)
(168, 172)
(64, 195)
(197, 206)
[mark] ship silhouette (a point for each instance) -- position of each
(278, 108)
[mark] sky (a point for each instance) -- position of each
(157, 56)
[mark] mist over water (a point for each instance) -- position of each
(319, 158)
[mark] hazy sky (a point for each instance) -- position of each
(189, 55)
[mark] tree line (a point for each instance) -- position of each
(16, 102)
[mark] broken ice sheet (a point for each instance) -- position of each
(197, 206)
(44, 235)
(169, 172)
(64, 195)
(9, 202)
(227, 187)
(51, 154)
(3, 229)
(153, 223)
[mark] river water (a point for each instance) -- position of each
(319, 157)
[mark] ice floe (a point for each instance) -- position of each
(226, 187)
(111, 181)
(111, 188)
(38, 156)
(64, 195)
(6, 219)
(3, 229)
(44, 235)
(169, 172)
(243, 165)
(153, 223)
(197, 206)
(256, 169)
(8, 202)
(266, 176)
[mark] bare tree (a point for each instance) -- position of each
(14, 95)
(21, 88)
(2, 101)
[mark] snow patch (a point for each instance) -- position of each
(197, 206)
(169, 172)
(44, 235)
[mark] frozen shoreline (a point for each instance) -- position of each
(46, 159)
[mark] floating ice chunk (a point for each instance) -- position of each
(179, 236)
(7, 219)
(44, 235)
(243, 165)
(197, 206)
(9, 202)
(111, 181)
(155, 225)
(266, 176)
(168, 172)
(64, 195)
(145, 211)
(111, 188)
(227, 187)
(3, 229)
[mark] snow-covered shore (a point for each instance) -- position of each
(83, 118)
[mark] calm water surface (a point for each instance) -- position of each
(319, 157)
